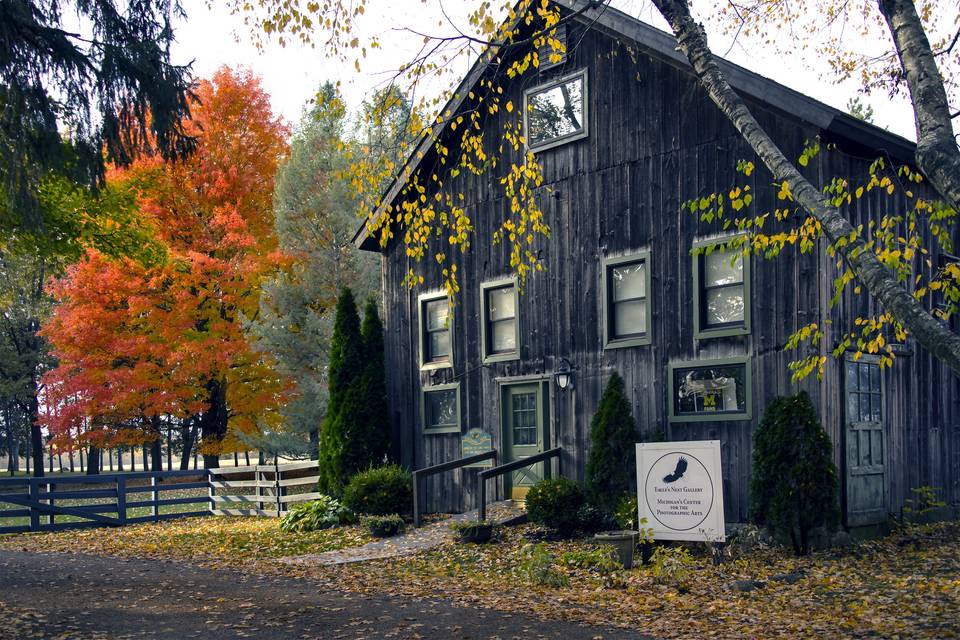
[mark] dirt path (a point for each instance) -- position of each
(89, 597)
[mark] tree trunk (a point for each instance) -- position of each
(937, 152)
(213, 422)
(93, 461)
(36, 433)
(119, 459)
(315, 444)
(29, 453)
(169, 447)
(877, 279)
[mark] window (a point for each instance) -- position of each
(440, 408)
(501, 326)
(435, 325)
(626, 306)
(710, 390)
(864, 395)
(722, 292)
(556, 113)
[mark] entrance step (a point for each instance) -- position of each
(430, 536)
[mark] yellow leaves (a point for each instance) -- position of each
(509, 106)
(784, 193)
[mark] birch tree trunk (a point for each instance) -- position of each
(927, 330)
(937, 152)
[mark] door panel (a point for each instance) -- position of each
(865, 480)
(524, 420)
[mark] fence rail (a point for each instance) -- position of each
(271, 484)
(70, 502)
(421, 474)
(508, 467)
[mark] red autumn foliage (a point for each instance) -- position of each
(136, 342)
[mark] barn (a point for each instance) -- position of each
(699, 341)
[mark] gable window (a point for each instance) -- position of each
(435, 331)
(556, 113)
(710, 390)
(626, 306)
(440, 409)
(501, 325)
(722, 292)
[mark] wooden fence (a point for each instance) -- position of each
(262, 490)
(70, 502)
(55, 503)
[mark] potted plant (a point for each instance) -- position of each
(478, 532)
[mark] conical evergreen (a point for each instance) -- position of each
(367, 428)
(611, 466)
(346, 366)
(794, 485)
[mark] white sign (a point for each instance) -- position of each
(680, 489)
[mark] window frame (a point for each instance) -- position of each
(738, 416)
(546, 86)
(701, 332)
(431, 365)
(607, 264)
(486, 356)
(427, 430)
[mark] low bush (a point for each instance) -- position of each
(625, 515)
(379, 492)
(555, 503)
(591, 519)
(384, 526)
(322, 513)
(478, 531)
(538, 566)
(671, 565)
(600, 560)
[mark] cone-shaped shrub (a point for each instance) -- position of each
(611, 466)
(346, 366)
(794, 485)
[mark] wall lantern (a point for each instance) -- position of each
(564, 374)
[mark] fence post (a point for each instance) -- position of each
(154, 508)
(121, 499)
(257, 476)
(50, 487)
(482, 511)
(210, 491)
(416, 499)
(276, 482)
(34, 497)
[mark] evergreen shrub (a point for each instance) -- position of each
(555, 503)
(794, 485)
(380, 491)
(611, 465)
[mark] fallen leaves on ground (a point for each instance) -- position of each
(216, 540)
(906, 585)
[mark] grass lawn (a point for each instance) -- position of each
(906, 585)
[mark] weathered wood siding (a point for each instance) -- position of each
(655, 140)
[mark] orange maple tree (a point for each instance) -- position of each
(138, 343)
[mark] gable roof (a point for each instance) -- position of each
(661, 44)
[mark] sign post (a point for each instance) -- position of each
(680, 489)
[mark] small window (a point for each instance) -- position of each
(441, 409)
(626, 306)
(501, 331)
(435, 321)
(864, 393)
(556, 113)
(710, 390)
(722, 290)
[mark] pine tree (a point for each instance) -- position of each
(794, 485)
(346, 366)
(613, 436)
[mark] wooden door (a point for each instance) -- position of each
(865, 481)
(524, 420)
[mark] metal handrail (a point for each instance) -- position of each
(486, 474)
(420, 474)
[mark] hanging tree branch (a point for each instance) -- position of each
(879, 281)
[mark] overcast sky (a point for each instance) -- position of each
(212, 37)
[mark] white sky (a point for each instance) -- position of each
(211, 37)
